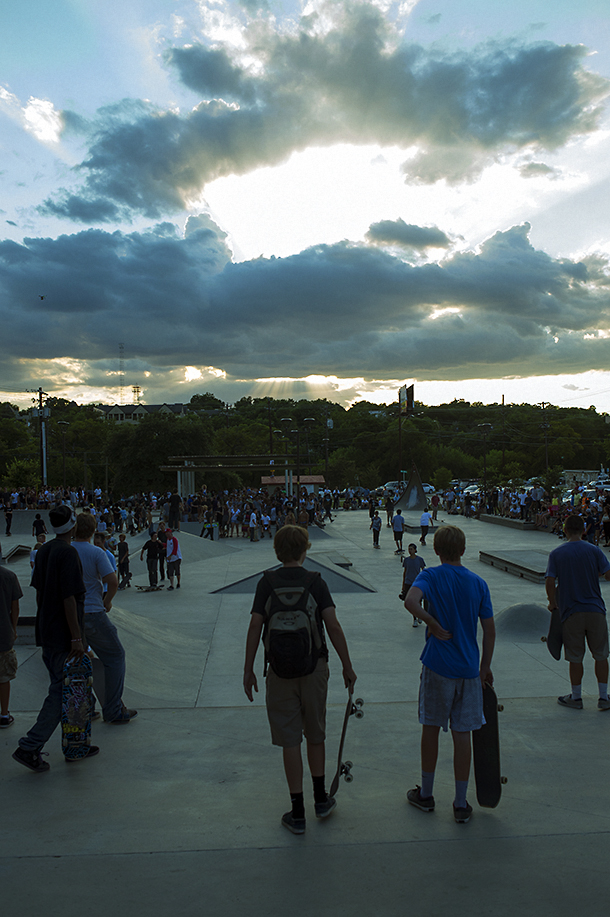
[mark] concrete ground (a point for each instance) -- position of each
(179, 814)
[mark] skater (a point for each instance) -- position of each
(296, 703)
(425, 521)
(60, 594)
(452, 680)
(577, 566)
(398, 525)
(376, 527)
(412, 567)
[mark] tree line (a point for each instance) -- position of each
(359, 445)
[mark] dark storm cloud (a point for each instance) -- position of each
(397, 232)
(353, 82)
(343, 309)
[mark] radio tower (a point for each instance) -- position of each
(136, 393)
(121, 371)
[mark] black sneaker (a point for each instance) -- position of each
(462, 815)
(92, 751)
(323, 809)
(568, 701)
(425, 803)
(32, 759)
(296, 825)
(125, 716)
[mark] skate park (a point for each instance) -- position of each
(181, 809)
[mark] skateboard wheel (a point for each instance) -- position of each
(66, 681)
(359, 714)
(543, 639)
(500, 707)
(348, 778)
(359, 702)
(503, 779)
(90, 681)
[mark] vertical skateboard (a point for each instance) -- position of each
(76, 706)
(344, 768)
(554, 638)
(486, 753)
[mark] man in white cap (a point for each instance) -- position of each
(60, 594)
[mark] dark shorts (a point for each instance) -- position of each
(585, 625)
(173, 567)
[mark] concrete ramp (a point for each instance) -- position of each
(526, 623)
(164, 662)
(15, 551)
(337, 578)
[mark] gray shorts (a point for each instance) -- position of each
(8, 666)
(458, 701)
(589, 625)
(297, 707)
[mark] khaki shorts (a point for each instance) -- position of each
(297, 707)
(8, 666)
(589, 625)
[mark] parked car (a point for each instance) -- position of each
(428, 488)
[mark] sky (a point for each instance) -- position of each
(317, 200)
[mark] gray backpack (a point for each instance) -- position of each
(293, 637)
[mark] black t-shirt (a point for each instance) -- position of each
(174, 502)
(10, 591)
(154, 550)
(57, 575)
(123, 551)
(318, 589)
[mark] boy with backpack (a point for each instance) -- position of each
(292, 609)
(453, 679)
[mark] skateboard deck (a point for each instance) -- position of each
(486, 753)
(149, 588)
(344, 768)
(76, 706)
(554, 638)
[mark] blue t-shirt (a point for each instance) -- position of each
(95, 566)
(578, 566)
(457, 598)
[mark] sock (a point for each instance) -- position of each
(576, 692)
(298, 806)
(319, 790)
(427, 784)
(461, 788)
(603, 690)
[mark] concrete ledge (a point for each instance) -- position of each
(529, 565)
(509, 523)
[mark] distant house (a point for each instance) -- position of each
(133, 413)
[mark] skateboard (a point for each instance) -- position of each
(76, 706)
(486, 753)
(554, 639)
(149, 588)
(344, 768)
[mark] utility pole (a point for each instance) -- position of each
(545, 426)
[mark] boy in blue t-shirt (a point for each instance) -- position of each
(451, 689)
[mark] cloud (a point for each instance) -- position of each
(344, 74)
(345, 309)
(397, 232)
(536, 169)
